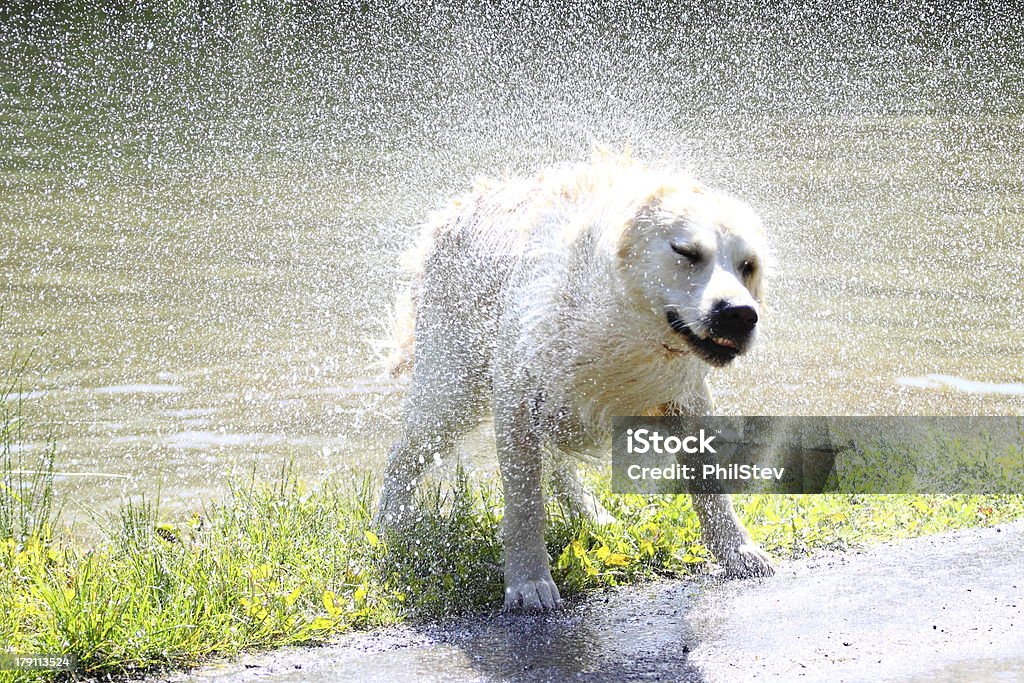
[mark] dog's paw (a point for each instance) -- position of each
(532, 595)
(581, 502)
(745, 561)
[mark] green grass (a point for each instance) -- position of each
(26, 494)
(282, 564)
(272, 566)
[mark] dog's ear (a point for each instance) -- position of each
(672, 197)
(645, 212)
(650, 206)
(757, 286)
(765, 268)
(641, 216)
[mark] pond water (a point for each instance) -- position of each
(201, 207)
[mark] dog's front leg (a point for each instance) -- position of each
(720, 529)
(579, 500)
(528, 582)
(725, 536)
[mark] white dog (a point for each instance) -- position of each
(559, 301)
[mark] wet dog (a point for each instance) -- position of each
(561, 300)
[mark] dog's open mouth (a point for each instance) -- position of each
(716, 350)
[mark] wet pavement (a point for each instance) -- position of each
(941, 608)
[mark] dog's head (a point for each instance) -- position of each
(698, 260)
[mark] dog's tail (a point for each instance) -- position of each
(397, 350)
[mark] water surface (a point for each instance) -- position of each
(201, 207)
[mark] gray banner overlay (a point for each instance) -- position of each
(943, 455)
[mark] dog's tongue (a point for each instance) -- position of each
(722, 341)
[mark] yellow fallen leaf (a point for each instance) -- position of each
(617, 560)
(329, 604)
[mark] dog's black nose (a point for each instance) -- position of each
(733, 321)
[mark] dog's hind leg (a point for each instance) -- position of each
(447, 398)
(445, 403)
(571, 492)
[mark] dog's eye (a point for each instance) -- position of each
(689, 252)
(748, 268)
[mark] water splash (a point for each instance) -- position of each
(212, 198)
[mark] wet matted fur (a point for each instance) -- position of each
(558, 301)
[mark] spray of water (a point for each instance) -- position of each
(201, 206)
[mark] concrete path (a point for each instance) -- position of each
(942, 608)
